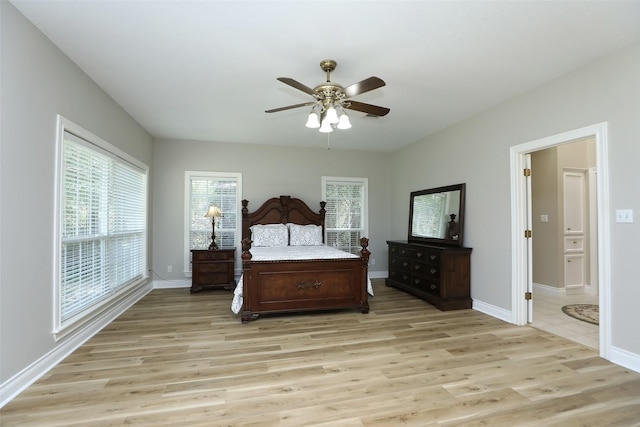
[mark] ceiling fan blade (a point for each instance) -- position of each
(373, 110)
(364, 86)
(297, 85)
(289, 107)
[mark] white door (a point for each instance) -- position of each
(529, 245)
(574, 227)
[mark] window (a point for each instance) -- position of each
(102, 224)
(203, 189)
(346, 217)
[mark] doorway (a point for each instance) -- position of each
(563, 279)
(522, 283)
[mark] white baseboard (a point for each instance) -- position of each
(494, 311)
(378, 274)
(169, 284)
(548, 290)
(23, 379)
(625, 358)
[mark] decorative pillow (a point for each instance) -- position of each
(269, 235)
(305, 235)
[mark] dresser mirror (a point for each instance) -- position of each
(436, 215)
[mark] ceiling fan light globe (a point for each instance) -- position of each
(326, 126)
(312, 121)
(332, 116)
(344, 122)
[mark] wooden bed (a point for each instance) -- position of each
(298, 285)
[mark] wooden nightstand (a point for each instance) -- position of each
(213, 269)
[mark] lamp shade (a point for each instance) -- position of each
(312, 121)
(326, 126)
(213, 211)
(332, 116)
(344, 122)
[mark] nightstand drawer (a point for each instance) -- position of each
(218, 255)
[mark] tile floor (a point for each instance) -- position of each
(548, 316)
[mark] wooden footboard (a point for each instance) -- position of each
(305, 285)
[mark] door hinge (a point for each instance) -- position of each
(527, 234)
(528, 296)
(527, 172)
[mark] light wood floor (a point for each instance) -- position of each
(181, 359)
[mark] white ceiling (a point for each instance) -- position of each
(206, 70)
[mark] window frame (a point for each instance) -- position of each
(102, 306)
(364, 183)
(188, 175)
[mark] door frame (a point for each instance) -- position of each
(521, 214)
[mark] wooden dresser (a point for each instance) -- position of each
(439, 274)
(212, 269)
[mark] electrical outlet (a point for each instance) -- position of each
(624, 215)
(169, 268)
(372, 261)
(544, 218)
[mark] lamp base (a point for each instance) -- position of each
(213, 246)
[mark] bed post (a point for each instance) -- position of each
(364, 256)
(246, 256)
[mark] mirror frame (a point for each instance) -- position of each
(459, 217)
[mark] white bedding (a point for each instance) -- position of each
(291, 253)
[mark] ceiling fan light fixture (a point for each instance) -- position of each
(344, 122)
(326, 126)
(330, 97)
(312, 121)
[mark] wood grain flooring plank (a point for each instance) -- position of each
(181, 359)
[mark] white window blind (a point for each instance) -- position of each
(210, 188)
(103, 225)
(345, 220)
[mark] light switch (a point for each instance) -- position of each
(624, 215)
(544, 218)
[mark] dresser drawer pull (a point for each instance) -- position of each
(305, 285)
(432, 257)
(433, 286)
(419, 254)
(404, 264)
(433, 271)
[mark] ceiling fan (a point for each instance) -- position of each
(329, 98)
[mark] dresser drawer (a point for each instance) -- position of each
(425, 270)
(212, 255)
(402, 264)
(426, 285)
(213, 267)
(400, 276)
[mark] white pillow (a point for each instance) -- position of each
(305, 235)
(269, 235)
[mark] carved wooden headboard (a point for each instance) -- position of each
(281, 210)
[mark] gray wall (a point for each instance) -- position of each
(267, 171)
(38, 82)
(476, 151)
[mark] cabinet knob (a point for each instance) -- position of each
(419, 254)
(432, 286)
(433, 271)
(432, 257)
